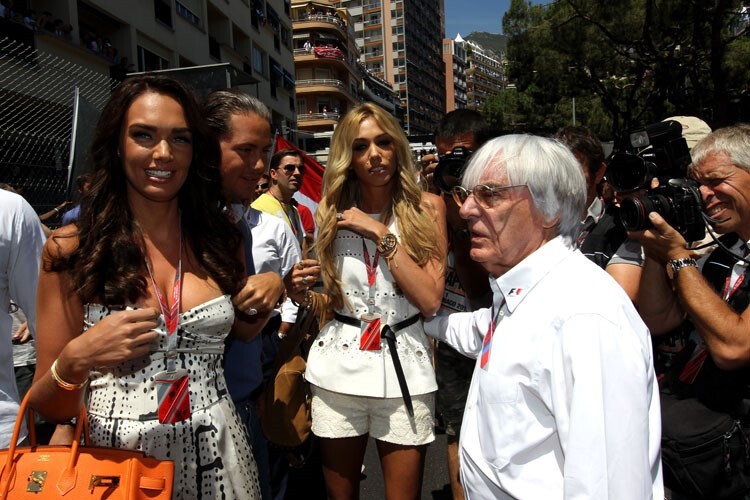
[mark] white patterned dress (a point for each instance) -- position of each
(210, 449)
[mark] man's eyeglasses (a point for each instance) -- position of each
(484, 194)
(289, 169)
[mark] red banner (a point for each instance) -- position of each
(328, 52)
(312, 183)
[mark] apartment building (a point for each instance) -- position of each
(331, 79)
(250, 39)
(485, 75)
(400, 42)
(454, 58)
(326, 66)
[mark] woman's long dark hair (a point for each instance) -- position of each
(108, 265)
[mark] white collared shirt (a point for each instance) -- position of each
(275, 249)
(567, 406)
(21, 243)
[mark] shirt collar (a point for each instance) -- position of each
(238, 210)
(595, 211)
(516, 284)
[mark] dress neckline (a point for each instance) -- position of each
(205, 304)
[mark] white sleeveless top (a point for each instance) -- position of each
(336, 362)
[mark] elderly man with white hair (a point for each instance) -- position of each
(563, 401)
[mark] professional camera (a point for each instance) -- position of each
(451, 167)
(679, 203)
(657, 151)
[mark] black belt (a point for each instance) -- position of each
(389, 334)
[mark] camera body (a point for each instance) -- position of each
(657, 151)
(451, 168)
(679, 203)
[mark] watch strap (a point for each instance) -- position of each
(677, 264)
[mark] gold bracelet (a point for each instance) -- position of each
(308, 300)
(62, 384)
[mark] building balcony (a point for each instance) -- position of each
(320, 121)
(304, 22)
(327, 86)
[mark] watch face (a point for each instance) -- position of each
(387, 243)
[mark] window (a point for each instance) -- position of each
(189, 10)
(259, 61)
(148, 61)
(163, 12)
(277, 75)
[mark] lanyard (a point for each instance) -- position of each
(487, 343)
(372, 269)
(727, 292)
(372, 272)
(171, 314)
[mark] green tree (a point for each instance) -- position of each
(639, 61)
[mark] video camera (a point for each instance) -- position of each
(657, 151)
(451, 167)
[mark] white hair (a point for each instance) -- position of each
(553, 175)
(733, 141)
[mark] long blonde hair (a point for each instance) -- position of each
(341, 191)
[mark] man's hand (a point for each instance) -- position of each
(662, 242)
(260, 294)
(429, 164)
(22, 335)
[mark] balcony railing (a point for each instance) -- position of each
(318, 116)
(319, 18)
(321, 83)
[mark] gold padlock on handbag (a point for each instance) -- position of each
(36, 481)
(106, 481)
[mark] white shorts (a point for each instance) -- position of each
(337, 415)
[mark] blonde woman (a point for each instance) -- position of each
(381, 245)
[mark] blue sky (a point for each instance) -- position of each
(465, 16)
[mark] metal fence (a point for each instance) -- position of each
(36, 119)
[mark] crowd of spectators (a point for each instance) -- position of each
(519, 245)
(45, 21)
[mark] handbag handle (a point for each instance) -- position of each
(68, 478)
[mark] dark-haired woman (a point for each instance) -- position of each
(138, 297)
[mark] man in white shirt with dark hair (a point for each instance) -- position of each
(563, 401)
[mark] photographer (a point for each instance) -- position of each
(458, 135)
(713, 295)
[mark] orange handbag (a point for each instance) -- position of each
(80, 472)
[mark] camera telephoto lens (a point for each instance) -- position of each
(634, 211)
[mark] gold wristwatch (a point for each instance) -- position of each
(387, 243)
